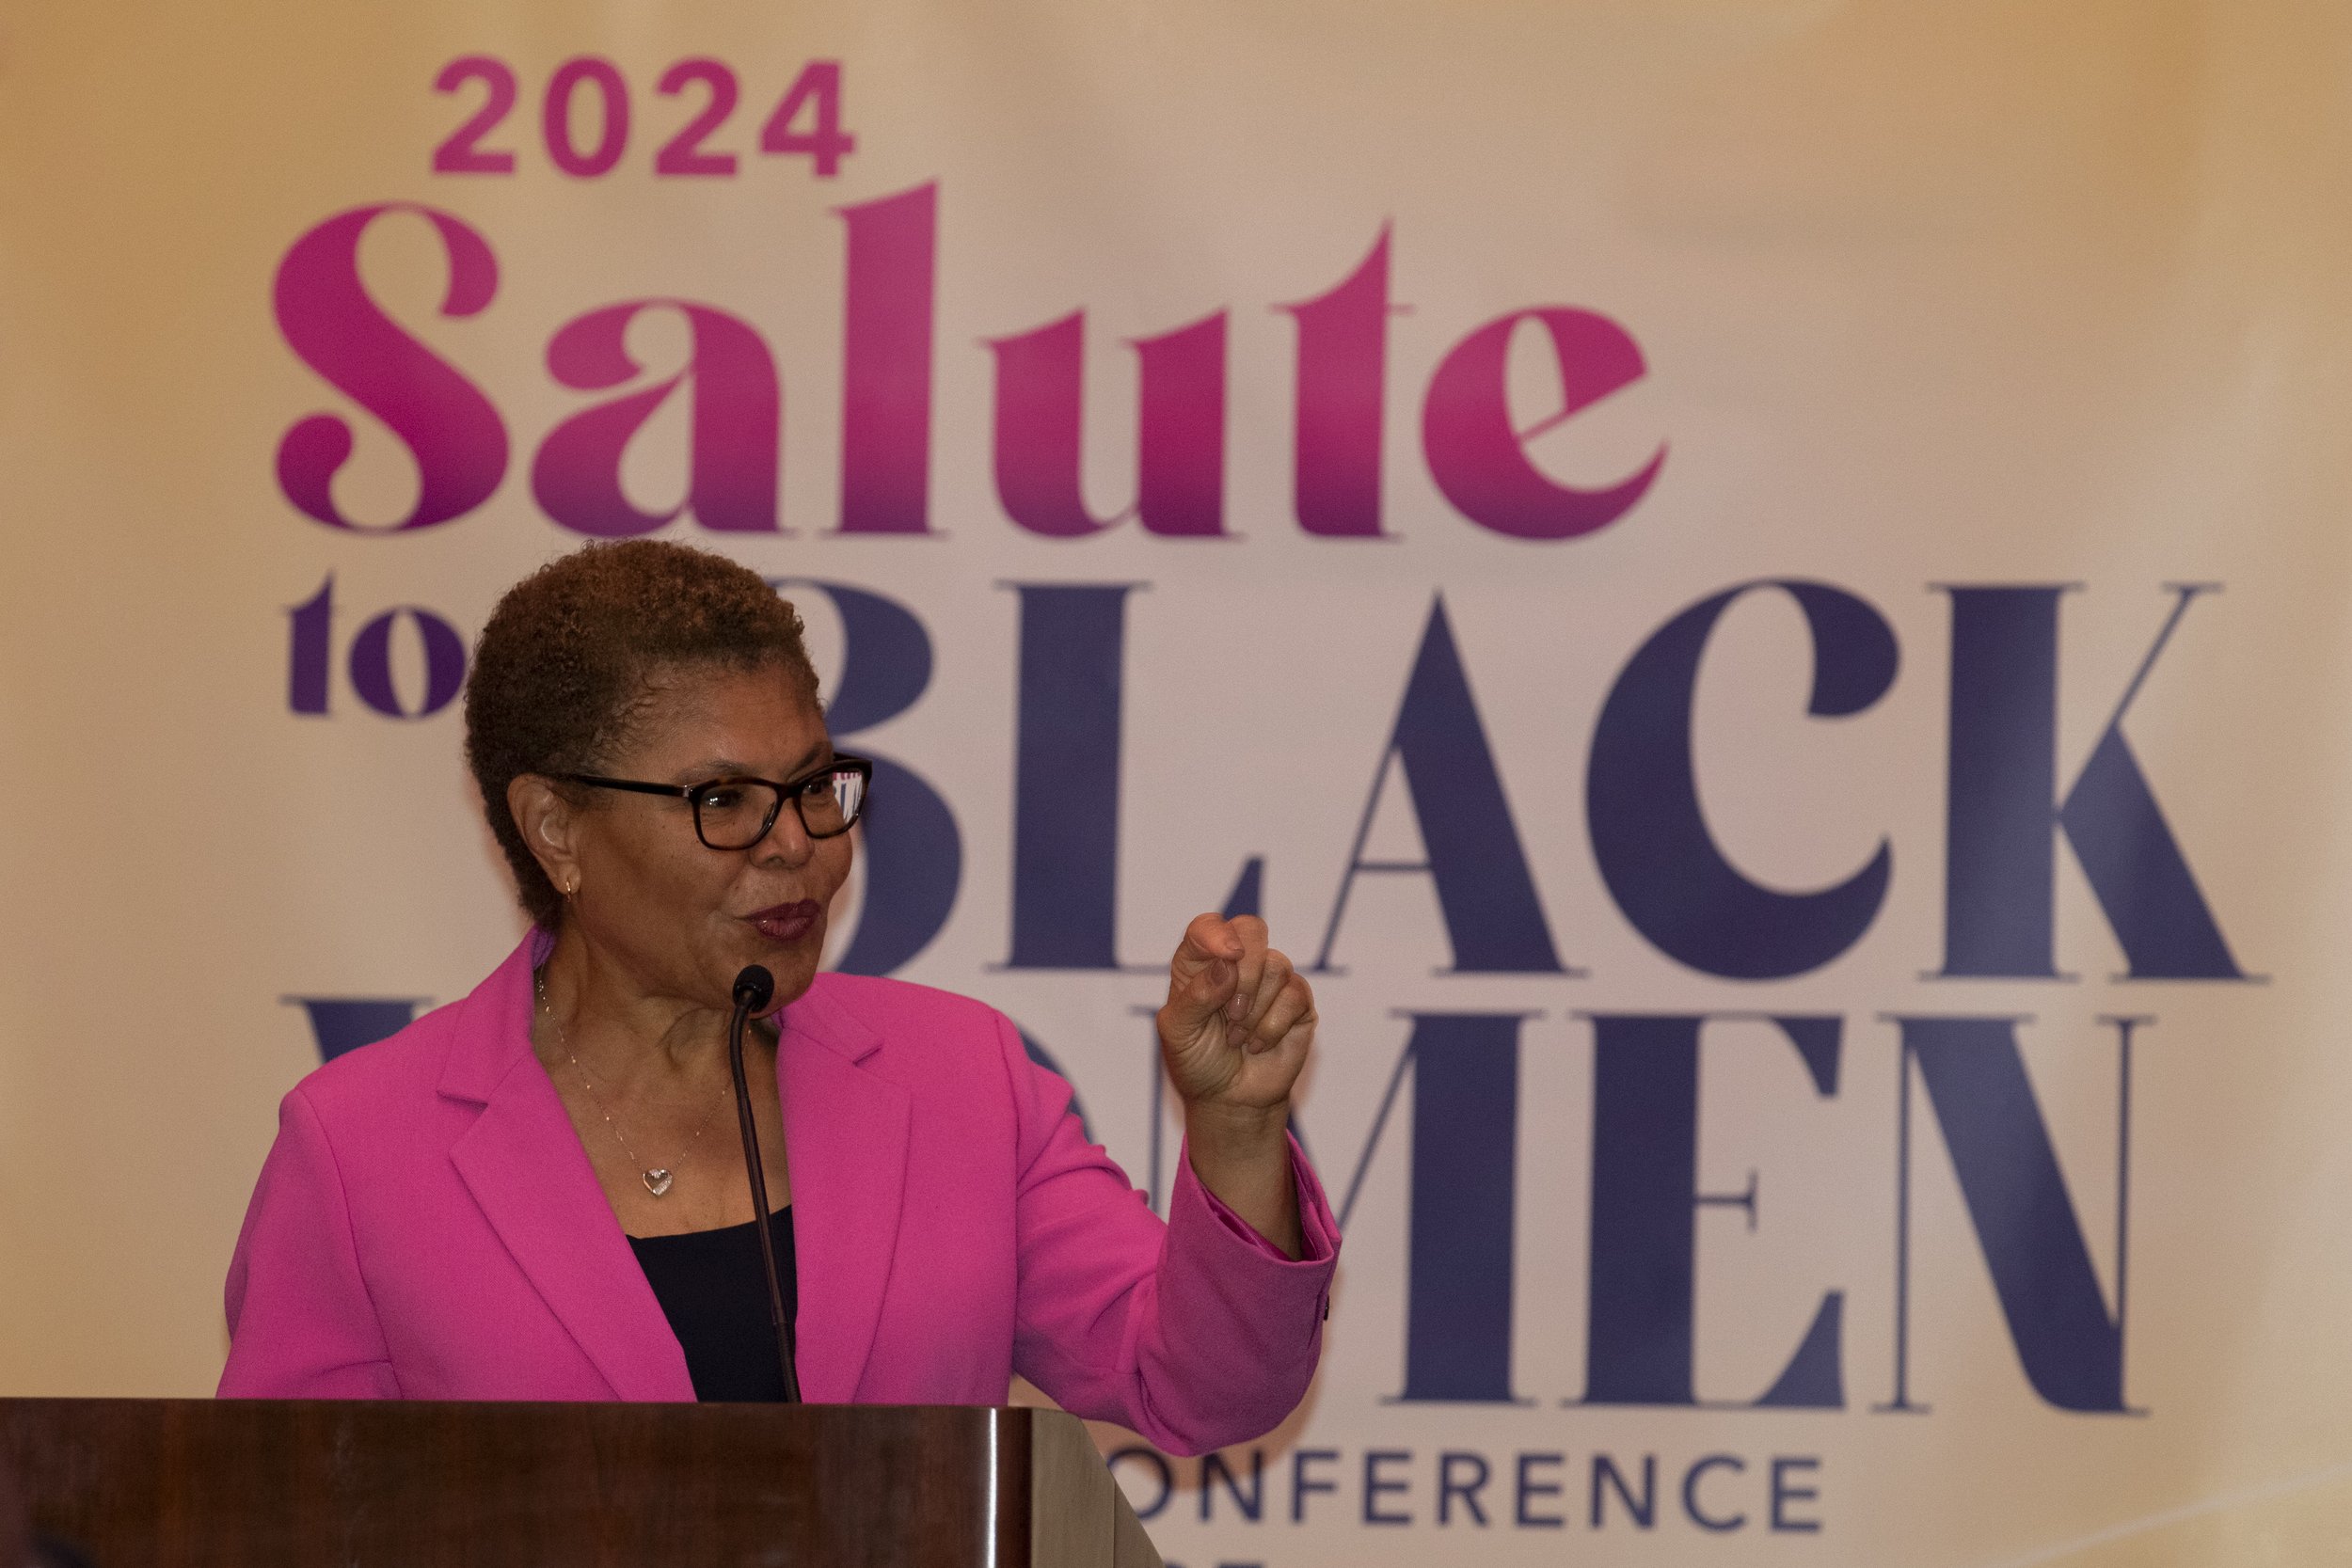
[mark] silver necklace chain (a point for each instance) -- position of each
(658, 1179)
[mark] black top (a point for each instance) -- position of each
(714, 1292)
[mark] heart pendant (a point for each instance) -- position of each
(658, 1182)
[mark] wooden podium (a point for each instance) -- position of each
(177, 1483)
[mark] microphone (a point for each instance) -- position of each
(753, 987)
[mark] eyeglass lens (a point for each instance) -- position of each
(736, 813)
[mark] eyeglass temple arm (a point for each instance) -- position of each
(679, 792)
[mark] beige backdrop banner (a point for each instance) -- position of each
(1757, 585)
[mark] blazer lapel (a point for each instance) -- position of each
(845, 1133)
(523, 1164)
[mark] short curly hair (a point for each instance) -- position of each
(566, 662)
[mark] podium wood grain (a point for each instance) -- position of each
(194, 1484)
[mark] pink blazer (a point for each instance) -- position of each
(429, 1226)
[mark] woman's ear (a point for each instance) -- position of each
(549, 825)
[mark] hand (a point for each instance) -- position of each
(1238, 1022)
(1234, 1034)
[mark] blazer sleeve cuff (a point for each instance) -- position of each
(1315, 1220)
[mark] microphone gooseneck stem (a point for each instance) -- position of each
(760, 1205)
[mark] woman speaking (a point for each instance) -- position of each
(537, 1193)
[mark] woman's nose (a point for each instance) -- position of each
(787, 841)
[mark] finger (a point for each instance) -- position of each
(1292, 1014)
(1200, 1001)
(1202, 976)
(1250, 932)
(1273, 972)
(1210, 939)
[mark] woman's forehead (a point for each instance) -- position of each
(753, 719)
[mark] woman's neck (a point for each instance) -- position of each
(592, 1006)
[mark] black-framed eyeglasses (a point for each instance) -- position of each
(738, 813)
